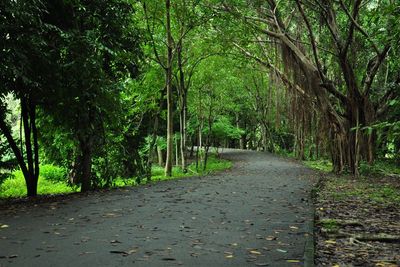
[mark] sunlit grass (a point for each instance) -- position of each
(15, 186)
(53, 179)
(214, 164)
(158, 172)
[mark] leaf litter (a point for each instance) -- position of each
(354, 227)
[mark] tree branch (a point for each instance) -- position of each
(372, 69)
(353, 17)
(153, 43)
(358, 27)
(312, 39)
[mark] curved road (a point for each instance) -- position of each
(256, 214)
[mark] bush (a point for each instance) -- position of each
(53, 173)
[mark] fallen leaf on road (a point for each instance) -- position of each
(255, 252)
(229, 256)
(168, 259)
(110, 215)
(270, 238)
(293, 261)
(86, 252)
(4, 226)
(281, 250)
(124, 253)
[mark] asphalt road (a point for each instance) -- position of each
(256, 214)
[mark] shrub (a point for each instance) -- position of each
(53, 173)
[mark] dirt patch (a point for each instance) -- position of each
(358, 222)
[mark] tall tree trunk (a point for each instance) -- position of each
(168, 81)
(28, 114)
(176, 152)
(160, 156)
(86, 150)
(243, 140)
(5, 129)
(184, 138)
(153, 141)
(264, 137)
(208, 139)
(183, 107)
(32, 112)
(194, 140)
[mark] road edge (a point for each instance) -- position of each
(309, 247)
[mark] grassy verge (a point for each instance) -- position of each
(157, 173)
(319, 165)
(52, 178)
(366, 189)
(372, 185)
(15, 186)
(379, 168)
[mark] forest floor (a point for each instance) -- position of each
(259, 213)
(358, 221)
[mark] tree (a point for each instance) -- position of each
(312, 69)
(25, 73)
(98, 45)
(66, 59)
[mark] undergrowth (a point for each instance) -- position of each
(53, 179)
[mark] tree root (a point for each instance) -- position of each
(341, 222)
(380, 237)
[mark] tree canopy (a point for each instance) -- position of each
(106, 88)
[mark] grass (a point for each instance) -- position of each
(15, 186)
(368, 187)
(157, 173)
(329, 224)
(380, 167)
(214, 164)
(320, 165)
(52, 179)
(340, 188)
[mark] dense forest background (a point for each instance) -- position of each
(105, 90)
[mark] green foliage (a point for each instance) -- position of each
(385, 194)
(53, 179)
(214, 164)
(380, 167)
(53, 173)
(7, 161)
(329, 224)
(47, 185)
(320, 165)
(95, 72)
(223, 128)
